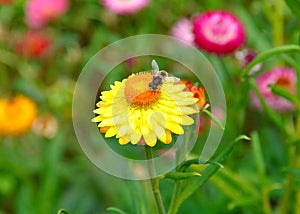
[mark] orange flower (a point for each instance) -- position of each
(199, 93)
(16, 115)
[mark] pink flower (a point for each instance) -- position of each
(33, 44)
(218, 32)
(41, 12)
(123, 7)
(183, 30)
(281, 76)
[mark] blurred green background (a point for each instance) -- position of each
(42, 174)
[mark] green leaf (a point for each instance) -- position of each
(294, 6)
(278, 90)
(257, 154)
(293, 63)
(235, 187)
(7, 183)
(214, 118)
(187, 163)
(50, 169)
(24, 201)
(116, 210)
(181, 175)
(270, 112)
(269, 53)
(62, 211)
(185, 188)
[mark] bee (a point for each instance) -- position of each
(159, 77)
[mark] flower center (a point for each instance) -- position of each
(220, 30)
(137, 91)
(284, 82)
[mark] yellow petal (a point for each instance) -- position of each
(103, 103)
(111, 111)
(172, 88)
(186, 101)
(124, 130)
(170, 109)
(186, 120)
(106, 122)
(116, 85)
(144, 121)
(175, 128)
(159, 131)
(123, 141)
(176, 110)
(185, 110)
(150, 139)
(120, 119)
(133, 119)
(111, 132)
(97, 119)
(135, 137)
(166, 138)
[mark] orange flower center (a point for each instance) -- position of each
(137, 91)
(284, 82)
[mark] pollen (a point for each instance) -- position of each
(137, 91)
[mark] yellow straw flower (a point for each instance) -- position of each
(16, 115)
(133, 112)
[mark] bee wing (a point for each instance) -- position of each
(172, 79)
(155, 68)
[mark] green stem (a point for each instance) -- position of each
(293, 158)
(290, 182)
(275, 9)
(278, 23)
(297, 196)
(174, 205)
(154, 181)
(297, 160)
(297, 202)
(266, 201)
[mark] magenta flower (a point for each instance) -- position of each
(41, 12)
(123, 7)
(183, 30)
(245, 56)
(281, 76)
(218, 32)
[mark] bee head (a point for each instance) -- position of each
(163, 73)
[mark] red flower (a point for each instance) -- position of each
(218, 32)
(6, 1)
(34, 44)
(198, 92)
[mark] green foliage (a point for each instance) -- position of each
(294, 6)
(41, 174)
